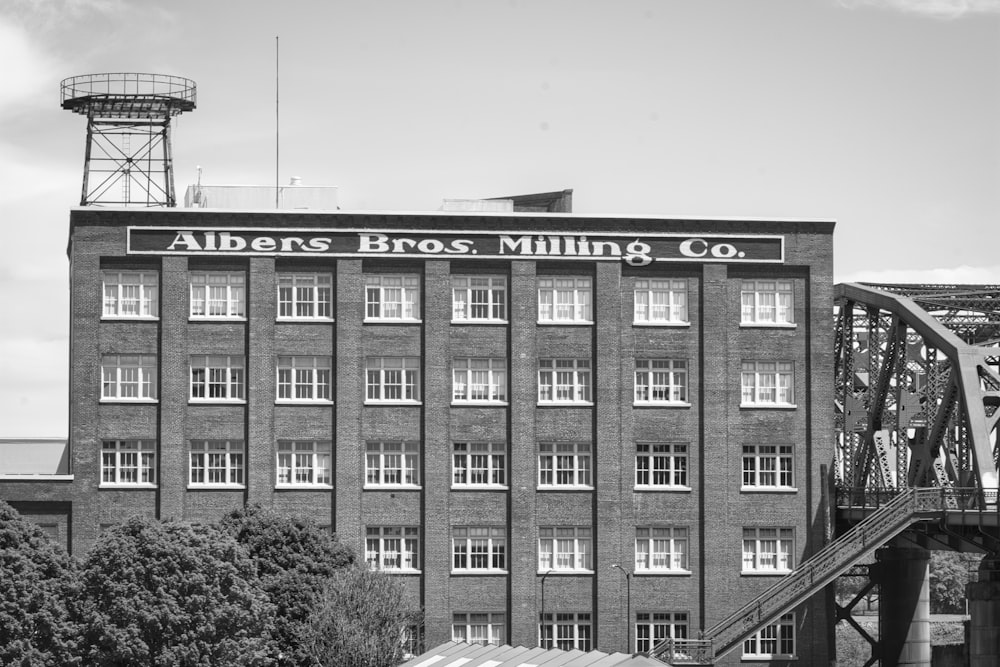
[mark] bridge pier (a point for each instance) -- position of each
(984, 614)
(903, 575)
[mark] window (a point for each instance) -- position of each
(767, 383)
(411, 638)
(564, 631)
(304, 463)
(562, 300)
(392, 464)
(128, 377)
(768, 466)
(564, 380)
(660, 381)
(567, 549)
(766, 302)
(483, 628)
(393, 548)
(392, 379)
(218, 294)
(768, 549)
(661, 549)
(478, 549)
(774, 641)
(217, 378)
(661, 301)
(661, 464)
(305, 296)
(479, 464)
(304, 379)
(128, 462)
(217, 463)
(479, 380)
(130, 294)
(479, 298)
(653, 628)
(564, 464)
(395, 298)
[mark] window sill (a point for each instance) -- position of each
(132, 401)
(216, 487)
(34, 477)
(668, 325)
(392, 487)
(303, 487)
(660, 404)
(216, 401)
(480, 322)
(130, 318)
(564, 572)
(765, 573)
(767, 325)
(479, 487)
(241, 318)
(304, 320)
(391, 403)
(485, 404)
(303, 401)
(565, 323)
(662, 573)
(400, 571)
(479, 573)
(111, 485)
(768, 406)
(565, 404)
(564, 487)
(768, 489)
(645, 488)
(399, 320)
(750, 657)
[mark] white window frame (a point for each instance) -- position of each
(303, 464)
(768, 467)
(563, 465)
(305, 296)
(472, 545)
(380, 369)
(227, 373)
(565, 630)
(661, 382)
(476, 461)
(661, 301)
(662, 549)
(565, 549)
(565, 300)
(478, 380)
(768, 550)
(229, 461)
(131, 374)
(393, 548)
(218, 295)
(392, 464)
(130, 295)
(767, 303)
(130, 463)
(565, 381)
(767, 384)
(477, 298)
(779, 635)
(651, 628)
(302, 379)
(478, 628)
(392, 297)
(661, 465)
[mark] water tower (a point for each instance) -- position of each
(128, 160)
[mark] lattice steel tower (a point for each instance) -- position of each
(128, 159)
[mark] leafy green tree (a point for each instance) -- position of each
(38, 581)
(950, 572)
(294, 560)
(157, 593)
(359, 620)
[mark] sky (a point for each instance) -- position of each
(883, 115)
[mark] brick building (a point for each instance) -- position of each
(512, 411)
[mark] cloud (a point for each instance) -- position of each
(960, 275)
(942, 9)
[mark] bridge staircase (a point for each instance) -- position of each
(887, 521)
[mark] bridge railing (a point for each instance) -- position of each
(945, 498)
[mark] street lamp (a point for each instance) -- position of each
(541, 615)
(628, 607)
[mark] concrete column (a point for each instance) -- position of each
(903, 575)
(984, 612)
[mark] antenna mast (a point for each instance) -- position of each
(277, 125)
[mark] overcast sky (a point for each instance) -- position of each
(883, 115)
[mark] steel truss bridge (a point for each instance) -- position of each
(917, 380)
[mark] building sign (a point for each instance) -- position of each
(634, 249)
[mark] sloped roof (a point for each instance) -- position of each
(460, 654)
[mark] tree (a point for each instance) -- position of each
(38, 581)
(359, 620)
(950, 572)
(172, 594)
(294, 560)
